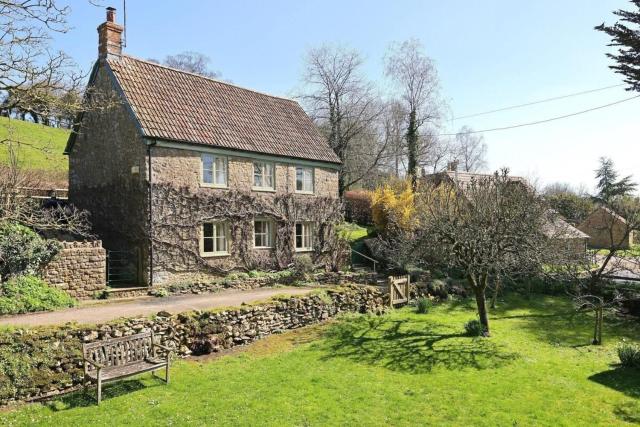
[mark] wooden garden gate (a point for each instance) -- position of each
(399, 290)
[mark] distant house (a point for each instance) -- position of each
(568, 241)
(607, 229)
(190, 174)
(566, 238)
(462, 179)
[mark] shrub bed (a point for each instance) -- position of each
(26, 294)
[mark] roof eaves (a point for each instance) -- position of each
(187, 145)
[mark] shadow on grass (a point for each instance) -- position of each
(625, 380)
(409, 346)
(575, 329)
(82, 399)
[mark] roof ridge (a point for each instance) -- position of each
(207, 78)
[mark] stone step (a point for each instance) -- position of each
(127, 292)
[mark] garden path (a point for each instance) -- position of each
(111, 310)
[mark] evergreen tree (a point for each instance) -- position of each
(609, 187)
(628, 40)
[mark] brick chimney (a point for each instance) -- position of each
(110, 36)
(452, 166)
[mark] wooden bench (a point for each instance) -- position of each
(117, 358)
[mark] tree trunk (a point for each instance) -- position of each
(597, 331)
(494, 299)
(479, 290)
(412, 149)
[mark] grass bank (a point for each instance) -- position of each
(399, 369)
(40, 150)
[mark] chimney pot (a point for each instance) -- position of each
(111, 14)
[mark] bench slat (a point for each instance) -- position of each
(95, 344)
(114, 373)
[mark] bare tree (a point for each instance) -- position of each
(600, 278)
(16, 208)
(433, 151)
(470, 150)
(493, 227)
(345, 107)
(192, 62)
(393, 123)
(34, 78)
(415, 76)
(31, 73)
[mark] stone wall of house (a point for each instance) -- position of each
(107, 173)
(604, 228)
(182, 168)
(45, 362)
(80, 269)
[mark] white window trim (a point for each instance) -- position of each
(204, 254)
(271, 233)
(304, 249)
(210, 184)
(273, 176)
(313, 180)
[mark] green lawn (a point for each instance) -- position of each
(354, 232)
(41, 147)
(632, 252)
(400, 369)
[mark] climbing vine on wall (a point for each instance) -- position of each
(177, 216)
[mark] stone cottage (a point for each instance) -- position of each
(606, 229)
(185, 173)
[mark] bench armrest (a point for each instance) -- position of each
(96, 364)
(160, 346)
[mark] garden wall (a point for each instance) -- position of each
(44, 362)
(80, 269)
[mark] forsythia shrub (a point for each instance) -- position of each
(25, 294)
(393, 204)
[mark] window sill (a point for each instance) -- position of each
(219, 186)
(263, 248)
(264, 189)
(214, 254)
(304, 249)
(304, 192)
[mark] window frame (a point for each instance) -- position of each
(227, 239)
(214, 171)
(312, 178)
(311, 229)
(269, 234)
(273, 176)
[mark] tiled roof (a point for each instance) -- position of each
(557, 227)
(463, 179)
(179, 106)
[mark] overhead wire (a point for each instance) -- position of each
(551, 119)
(541, 101)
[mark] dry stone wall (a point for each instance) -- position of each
(80, 269)
(40, 363)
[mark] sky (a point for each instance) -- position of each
(489, 54)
